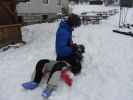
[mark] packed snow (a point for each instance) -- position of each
(107, 69)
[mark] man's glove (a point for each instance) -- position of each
(73, 45)
(79, 49)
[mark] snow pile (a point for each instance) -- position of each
(78, 9)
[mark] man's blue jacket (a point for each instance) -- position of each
(63, 40)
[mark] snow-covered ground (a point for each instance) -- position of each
(107, 72)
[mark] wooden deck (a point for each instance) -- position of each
(10, 34)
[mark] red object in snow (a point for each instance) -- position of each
(65, 76)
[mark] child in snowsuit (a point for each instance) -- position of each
(57, 70)
(68, 62)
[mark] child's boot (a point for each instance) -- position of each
(48, 90)
(30, 85)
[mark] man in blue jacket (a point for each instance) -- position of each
(65, 49)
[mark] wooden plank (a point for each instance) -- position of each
(10, 34)
(13, 25)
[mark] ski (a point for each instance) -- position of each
(124, 33)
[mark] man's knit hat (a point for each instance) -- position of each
(74, 20)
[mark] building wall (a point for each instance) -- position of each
(35, 11)
(51, 7)
(37, 6)
(29, 7)
(65, 3)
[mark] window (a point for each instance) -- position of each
(45, 1)
(58, 2)
(22, 1)
(44, 17)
